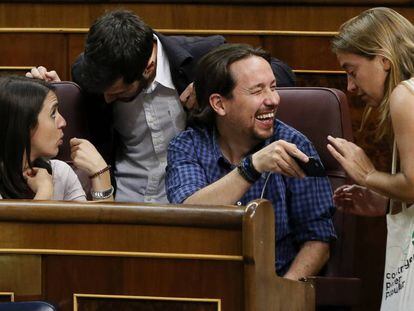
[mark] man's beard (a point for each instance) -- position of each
(142, 84)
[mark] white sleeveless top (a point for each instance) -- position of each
(398, 286)
(409, 84)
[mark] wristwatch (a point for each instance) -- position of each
(102, 195)
(247, 170)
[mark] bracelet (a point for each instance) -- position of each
(102, 195)
(100, 172)
(247, 170)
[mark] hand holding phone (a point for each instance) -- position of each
(312, 168)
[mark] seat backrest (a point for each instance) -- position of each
(70, 107)
(317, 113)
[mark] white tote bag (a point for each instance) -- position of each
(398, 287)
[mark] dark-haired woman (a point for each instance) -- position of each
(31, 131)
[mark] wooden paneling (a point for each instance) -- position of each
(58, 48)
(33, 49)
(76, 43)
(14, 70)
(25, 281)
(197, 16)
(113, 302)
(103, 238)
(146, 277)
(303, 52)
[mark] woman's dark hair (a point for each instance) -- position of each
(21, 100)
(213, 75)
(119, 44)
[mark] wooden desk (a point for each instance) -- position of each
(111, 256)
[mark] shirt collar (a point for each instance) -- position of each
(163, 72)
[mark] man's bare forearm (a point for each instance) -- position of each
(309, 261)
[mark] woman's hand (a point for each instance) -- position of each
(85, 156)
(40, 182)
(352, 158)
(360, 201)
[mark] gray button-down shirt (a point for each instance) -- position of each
(146, 125)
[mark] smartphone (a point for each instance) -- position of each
(312, 168)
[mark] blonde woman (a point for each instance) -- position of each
(376, 49)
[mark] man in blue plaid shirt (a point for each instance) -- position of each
(236, 151)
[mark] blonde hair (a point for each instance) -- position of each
(380, 32)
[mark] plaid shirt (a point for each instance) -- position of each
(303, 207)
